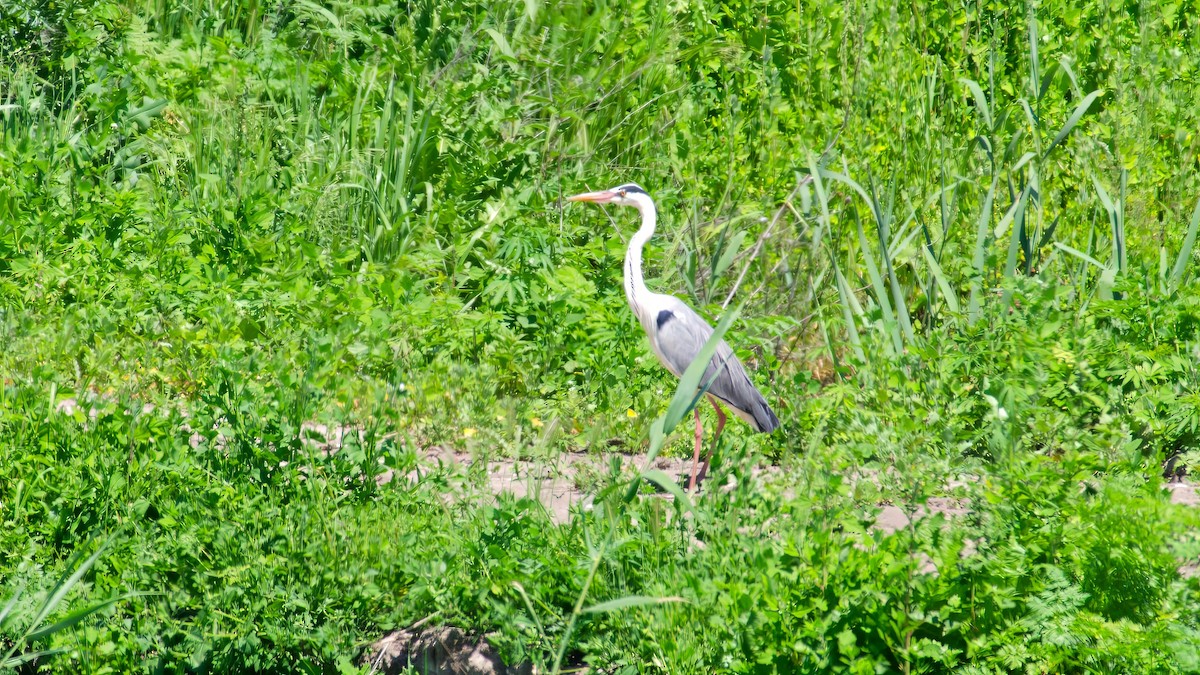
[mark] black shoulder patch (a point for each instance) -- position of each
(663, 317)
(632, 187)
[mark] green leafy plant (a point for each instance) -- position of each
(262, 266)
(30, 625)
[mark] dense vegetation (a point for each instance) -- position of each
(221, 219)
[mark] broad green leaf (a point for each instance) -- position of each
(902, 244)
(822, 195)
(852, 184)
(1065, 63)
(501, 42)
(1162, 268)
(1080, 254)
(890, 325)
(145, 113)
(318, 9)
(981, 103)
(1010, 261)
(1107, 201)
(1046, 79)
(1185, 253)
(77, 616)
(665, 482)
(1080, 111)
(850, 296)
(1113, 209)
(8, 607)
(1049, 233)
(1034, 61)
(849, 303)
(726, 259)
(1006, 222)
(974, 302)
(1021, 162)
(1032, 118)
(658, 438)
(21, 659)
(65, 585)
(899, 299)
(943, 284)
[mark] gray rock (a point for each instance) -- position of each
(438, 651)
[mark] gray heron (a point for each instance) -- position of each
(677, 332)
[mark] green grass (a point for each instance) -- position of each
(251, 216)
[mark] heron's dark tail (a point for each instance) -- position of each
(764, 417)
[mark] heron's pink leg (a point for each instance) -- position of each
(716, 437)
(720, 416)
(696, 455)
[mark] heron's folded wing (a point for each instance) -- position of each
(681, 335)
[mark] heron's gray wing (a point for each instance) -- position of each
(680, 335)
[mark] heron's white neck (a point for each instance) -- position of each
(635, 286)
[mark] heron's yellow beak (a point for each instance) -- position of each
(602, 197)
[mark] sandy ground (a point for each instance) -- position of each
(559, 484)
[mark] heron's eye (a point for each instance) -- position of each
(622, 193)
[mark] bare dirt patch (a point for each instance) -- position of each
(559, 484)
(1184, 493)
(891, 517)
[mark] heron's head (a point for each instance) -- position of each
(629, 194)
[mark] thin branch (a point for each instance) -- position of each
(762, 238)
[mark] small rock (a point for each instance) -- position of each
(438, 651)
